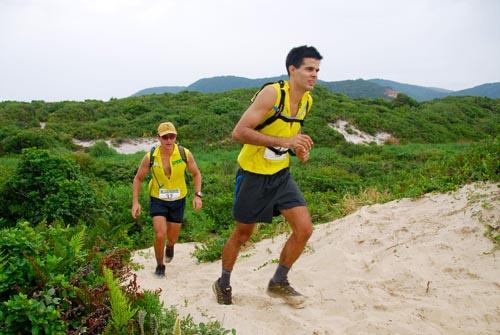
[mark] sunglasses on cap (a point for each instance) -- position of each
(169, 136)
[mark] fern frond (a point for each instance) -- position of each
(77, 241)
(121, 311)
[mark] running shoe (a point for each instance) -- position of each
(160, 270)
(223, 294)
(169, 253)
(286, 292)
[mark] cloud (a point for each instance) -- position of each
(83, 49)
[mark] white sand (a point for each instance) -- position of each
(130, 146)
(418, 266)
(357, 136)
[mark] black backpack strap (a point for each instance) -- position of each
(260, 89)
(182, 151)
(151, 162)
(277, 115)
(282, 152)
(151, 157)
(289, 120)
(277, 109)
(308, 108)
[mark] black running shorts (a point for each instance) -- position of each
(257, 197)
(173, 211)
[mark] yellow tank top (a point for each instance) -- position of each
(162, 187)
(261, 160)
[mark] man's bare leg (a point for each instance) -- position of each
(300, 221)
(240, 235)
(302, 228)
(221, 286)
(160, 229)
(173, 231)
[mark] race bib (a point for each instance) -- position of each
(169, 194)
(271, 155)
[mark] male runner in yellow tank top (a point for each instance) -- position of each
(264, 186)
(167, 191)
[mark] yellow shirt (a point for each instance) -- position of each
(163, 187)
(260, 159)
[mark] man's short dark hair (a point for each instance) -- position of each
(296, 56)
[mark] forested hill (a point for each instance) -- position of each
(359, 88)
(491, 90)
(207, 119)
(212, 85)
(160, 90)
(227, 83)
(353, 88)
(419, 93)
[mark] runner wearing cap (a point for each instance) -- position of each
(167, 190)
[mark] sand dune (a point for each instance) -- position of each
(130, 146)
(418, 266)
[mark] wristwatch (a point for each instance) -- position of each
(199, 194)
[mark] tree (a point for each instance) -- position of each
(403, 99)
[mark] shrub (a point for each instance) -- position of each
(403, 99)
(46, 187)
(20, 246)
(101, 149)
(33, 138)
(23, 315)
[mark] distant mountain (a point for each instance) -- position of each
(443, 90)
(212, 85)
(227, 83)
(353, 88)
(359, 88)
(491, 90)
(160, 90)
(420, 93)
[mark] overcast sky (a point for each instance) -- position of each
(97, 49)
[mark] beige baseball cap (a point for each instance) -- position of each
(166, 128)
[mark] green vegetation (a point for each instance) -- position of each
(121, 311)
(66, 211)
(46, 187)
(205, 120)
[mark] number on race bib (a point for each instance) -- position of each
(170, 194)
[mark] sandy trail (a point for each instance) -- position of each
(418, 266)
